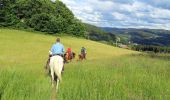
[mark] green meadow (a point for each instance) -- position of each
(109, 73)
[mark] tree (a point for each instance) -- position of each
(76, 28)
(41, 15)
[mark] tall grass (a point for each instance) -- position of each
(121, 78)
(109, 73)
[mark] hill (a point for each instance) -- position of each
(97, 34)
(109, 73)
(157, 37)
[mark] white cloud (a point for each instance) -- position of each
(122, 13)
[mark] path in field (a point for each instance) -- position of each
(53, 94)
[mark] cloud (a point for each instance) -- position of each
(122, 13)
(120, 1)
(165, 4)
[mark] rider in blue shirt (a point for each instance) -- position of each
(57, 48)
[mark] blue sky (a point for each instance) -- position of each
(122, 13)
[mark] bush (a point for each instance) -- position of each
(76, 29)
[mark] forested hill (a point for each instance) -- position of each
(157, 37)
(40, 15)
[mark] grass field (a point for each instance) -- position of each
(109, 73)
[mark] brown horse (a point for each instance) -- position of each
(81, 57)
(69, 56)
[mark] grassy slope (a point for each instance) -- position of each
(109, 73)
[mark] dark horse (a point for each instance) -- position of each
(81, 56)
(69, 56)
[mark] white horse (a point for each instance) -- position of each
(56, 65)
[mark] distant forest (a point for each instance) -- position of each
(158, 37)
(151, 48)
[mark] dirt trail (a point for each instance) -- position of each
(54, 93)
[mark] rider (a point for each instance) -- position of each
(57, 49)
(69, 51)
(83, 52)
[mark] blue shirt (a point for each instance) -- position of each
(57, 48)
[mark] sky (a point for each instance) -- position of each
(122, 13)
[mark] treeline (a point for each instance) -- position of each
(155, 49)
(40, 15)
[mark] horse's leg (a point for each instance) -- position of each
(70, 58)
(62, 71)
(57, 84)
(84, 56)
(52, 77)
(81, 57)
(52, 81)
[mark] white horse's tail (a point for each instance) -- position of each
(56, 65)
